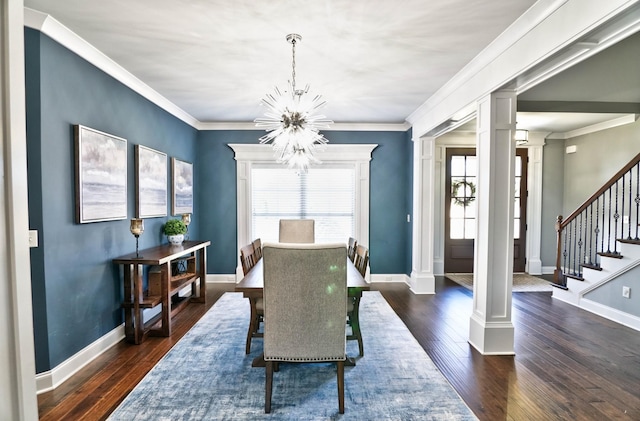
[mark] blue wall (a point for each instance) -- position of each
(390, 196)
(77, 291)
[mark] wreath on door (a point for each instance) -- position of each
(468, 192)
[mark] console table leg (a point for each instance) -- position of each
(202, 270)
(129, 299)
(137, 309)
(165, 329)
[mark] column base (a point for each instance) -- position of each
(423, 283)
(491, 338)
(534, 267)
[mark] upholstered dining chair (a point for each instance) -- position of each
(305, 306)
(353, 318)
(297, 231)
(351, 249)
(248, 259)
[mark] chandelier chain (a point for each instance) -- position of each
(293, 65)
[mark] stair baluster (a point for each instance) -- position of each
(581, 236)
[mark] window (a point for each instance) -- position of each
(325, 194)
(462, 212)
(463, 197)
(335, 158)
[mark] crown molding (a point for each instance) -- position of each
(548, 38)
(522, 26)
(55, 30)
(49, 26)
(616, 122)
(328, 153)
(360, 127)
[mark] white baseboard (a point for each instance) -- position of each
(548, 270)
(231, 278)
(49, 380)
(217, 278)
(611, 313)
(381, 277)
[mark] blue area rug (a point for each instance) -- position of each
(207, 376)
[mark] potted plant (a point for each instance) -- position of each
(175, 230)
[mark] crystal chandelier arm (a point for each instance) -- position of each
(291, 122)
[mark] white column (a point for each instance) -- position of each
(422, 277)
(243, 191)
(534, 206)
(491, 330)
(17, 356)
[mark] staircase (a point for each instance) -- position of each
(599, 243)
(610, 269)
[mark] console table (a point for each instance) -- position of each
(164, 283)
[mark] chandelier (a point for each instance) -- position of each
(291, 121)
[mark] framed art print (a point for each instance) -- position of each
(101, 176)
(151, 182)
(182, 186)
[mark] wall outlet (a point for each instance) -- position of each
(626, 292)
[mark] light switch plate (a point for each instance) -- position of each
(33, 238)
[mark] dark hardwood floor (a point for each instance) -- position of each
(569, 364)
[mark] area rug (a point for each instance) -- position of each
(207, 376)
(522, 282)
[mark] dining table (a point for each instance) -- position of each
(252, 286)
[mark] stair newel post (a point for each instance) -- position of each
(557, 273)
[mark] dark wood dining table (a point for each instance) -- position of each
(252, 286)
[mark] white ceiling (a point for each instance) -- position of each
(372, 61)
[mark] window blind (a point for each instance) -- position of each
(325, 194)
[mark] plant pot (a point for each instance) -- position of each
(175, 240)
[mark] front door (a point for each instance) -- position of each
(460, 210)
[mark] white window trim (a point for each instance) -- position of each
(248, 154)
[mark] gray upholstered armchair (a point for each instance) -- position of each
(297, 231)
(305, 308)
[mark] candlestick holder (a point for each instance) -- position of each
(137, 228)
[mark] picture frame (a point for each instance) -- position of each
(182, 186)
(151, 182)
(101, 175)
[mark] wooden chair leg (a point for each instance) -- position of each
(354, 319)
(252, 325)
(268, 386)
(340, 367)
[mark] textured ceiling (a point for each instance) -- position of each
(372, 61)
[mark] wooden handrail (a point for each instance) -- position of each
(562, 223)
(601, 190)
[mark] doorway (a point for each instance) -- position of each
(460, 210)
